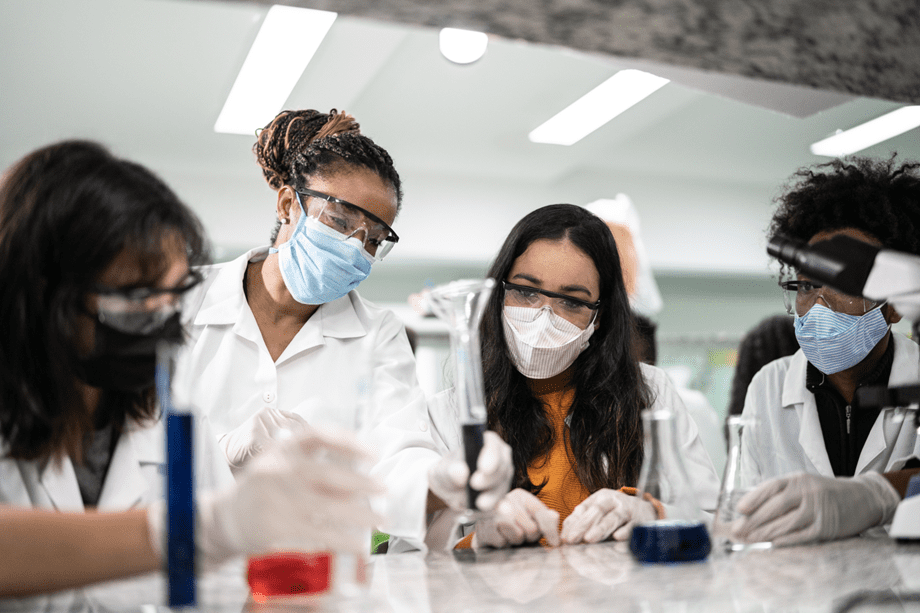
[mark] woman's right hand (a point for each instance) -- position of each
(519, 518)
(256, 433)
(302, 494)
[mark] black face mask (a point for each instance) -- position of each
(125, 362)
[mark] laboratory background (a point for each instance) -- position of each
(694, 166)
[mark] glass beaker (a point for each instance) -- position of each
(308, 576)
(461, 304)
(681, 536)
(737, 481)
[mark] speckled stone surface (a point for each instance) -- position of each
(603, 577)
(863, 47)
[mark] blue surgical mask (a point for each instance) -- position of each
(320, 265)
(835, 341)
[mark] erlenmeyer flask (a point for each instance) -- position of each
(681, 536)
(460, 304)
(737, 481)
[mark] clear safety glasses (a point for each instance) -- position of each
(574, 310)
(140, 310)
(799, 295)
(347, 219)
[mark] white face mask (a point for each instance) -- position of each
(542, 344)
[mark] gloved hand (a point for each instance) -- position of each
(494, 470)
(300, 494)
(603, 513)
(248, 439)
(802, 508)
(520, 517)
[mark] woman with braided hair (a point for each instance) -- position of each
(281, 340)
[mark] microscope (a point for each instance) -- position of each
(882, 275)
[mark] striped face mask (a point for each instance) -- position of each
(835, 341)
(541, 343)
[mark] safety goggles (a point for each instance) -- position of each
(140, 310)
(347, 219)
(799, 295)
(577, 311)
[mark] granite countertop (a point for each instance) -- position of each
(602, 577)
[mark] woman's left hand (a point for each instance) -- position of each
(605, 513)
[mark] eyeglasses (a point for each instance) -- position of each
(799, 295)
(577, 311)
(140, 310)
(347, 218)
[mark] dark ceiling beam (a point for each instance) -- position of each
(860, 47)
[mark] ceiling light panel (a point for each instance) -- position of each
(285, 44)
(621, 91)
(870, 133)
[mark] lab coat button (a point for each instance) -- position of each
(268, 396)
(423, 425)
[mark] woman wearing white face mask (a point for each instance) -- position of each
(565, 390)
(281, 340)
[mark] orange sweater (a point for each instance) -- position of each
(563, 491)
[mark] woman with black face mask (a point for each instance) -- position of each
(95, 255)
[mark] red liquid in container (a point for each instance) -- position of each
(289, 574)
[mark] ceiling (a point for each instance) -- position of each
(149, 77)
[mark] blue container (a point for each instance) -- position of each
(668, 541)
(180, 514)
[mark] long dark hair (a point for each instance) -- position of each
(610, 392)
(66, 212)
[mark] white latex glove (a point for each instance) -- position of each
(300, 494)
(519, 518)
(494, 470)
(249, 438)
(803, 508)
(606, 512)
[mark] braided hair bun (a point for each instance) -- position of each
(296, 145)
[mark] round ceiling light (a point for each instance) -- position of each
(462, 46)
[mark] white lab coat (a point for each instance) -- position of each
(784, 434)
(699, 467)
(136, 475)
(316, 377)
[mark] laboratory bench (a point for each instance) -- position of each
(859, 574)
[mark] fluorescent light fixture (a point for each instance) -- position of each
(597, 107)
(284, 46)
(462, 46)
(870, 133)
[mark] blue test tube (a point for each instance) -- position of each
(180, 487)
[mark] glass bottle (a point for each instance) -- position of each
(681, 536)
(461, 304)
(736, 482)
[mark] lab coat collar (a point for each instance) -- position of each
(224, 298)
(124, 485)
(796, 396)
(336, 319)
(905, 370)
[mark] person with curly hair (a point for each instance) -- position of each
(801, 411)
(282, 341)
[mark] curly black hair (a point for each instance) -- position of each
(879, 197)
(298, 145)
